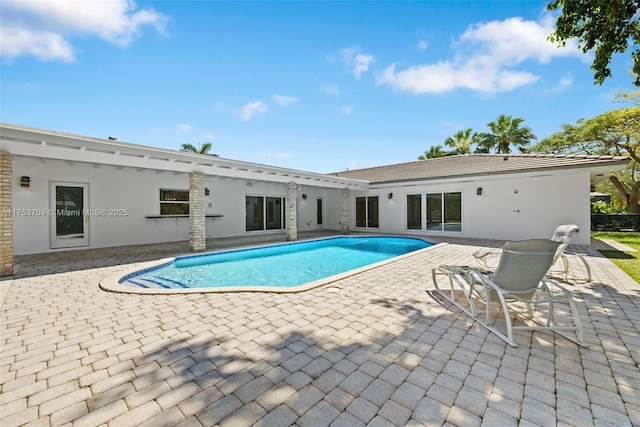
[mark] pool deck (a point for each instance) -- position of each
(372, 349)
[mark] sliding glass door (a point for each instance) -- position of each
(264, 213)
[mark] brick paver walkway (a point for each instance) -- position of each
(380, 352)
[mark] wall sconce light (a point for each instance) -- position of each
(515, 191)
(206, 191)
(25, 181)
(479, 191)
(304, 196)
(390, 195)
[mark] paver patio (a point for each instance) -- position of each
(382, 351)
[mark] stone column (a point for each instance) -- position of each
(6, 218)
(291, 212)
(197, 224)
(344, 212)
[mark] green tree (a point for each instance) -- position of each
(601, 208)
(602, 26)
(506, 132)
(203, 149)
(462, 141)
(434, 151)
(615, 132)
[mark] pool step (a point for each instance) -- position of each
(155, 282)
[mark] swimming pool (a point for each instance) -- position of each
(286, 265)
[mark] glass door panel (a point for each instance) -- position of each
(414, 212)
(361, 211)
(274, 213)
(453, 211)
(372, 212)
(255, 213)
(319, 212)
(70, 224)
(434, 211)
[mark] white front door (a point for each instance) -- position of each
(70, 219)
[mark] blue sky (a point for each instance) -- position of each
(316, 86)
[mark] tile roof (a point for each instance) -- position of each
(478, 164)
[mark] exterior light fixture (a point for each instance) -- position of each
(25, 181)
(206, 191)
(390, 195)
(304, 196)
(479, 191)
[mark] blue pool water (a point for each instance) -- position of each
(284, 265)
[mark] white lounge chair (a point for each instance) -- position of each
(563, 262)
(516, 287)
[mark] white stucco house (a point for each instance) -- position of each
(61, 191)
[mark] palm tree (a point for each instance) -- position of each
(434, 151)
(506, 132)
(462, 140)
(204, 148)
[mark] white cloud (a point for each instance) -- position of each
(423, 45)
(330, 89)
(485, 59)
(43, 28)
(184, 127)
(563, 84)
(347, 109)
(44, 45)
(284, 100)
(250, 110)
(356, 62)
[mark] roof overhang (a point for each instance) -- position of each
(45, 144)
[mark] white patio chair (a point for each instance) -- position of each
(564, 262)
(518, 289)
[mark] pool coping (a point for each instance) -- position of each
(112, 283)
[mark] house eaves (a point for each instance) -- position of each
(45, 144)
(473, 165)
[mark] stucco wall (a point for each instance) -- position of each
(137, 190)
(542, 202)
(307, 218)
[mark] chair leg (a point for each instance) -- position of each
(472, 311)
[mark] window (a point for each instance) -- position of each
(414, 212)
(444, 211)
(367, 212)
(174, 202)
(259, 208)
